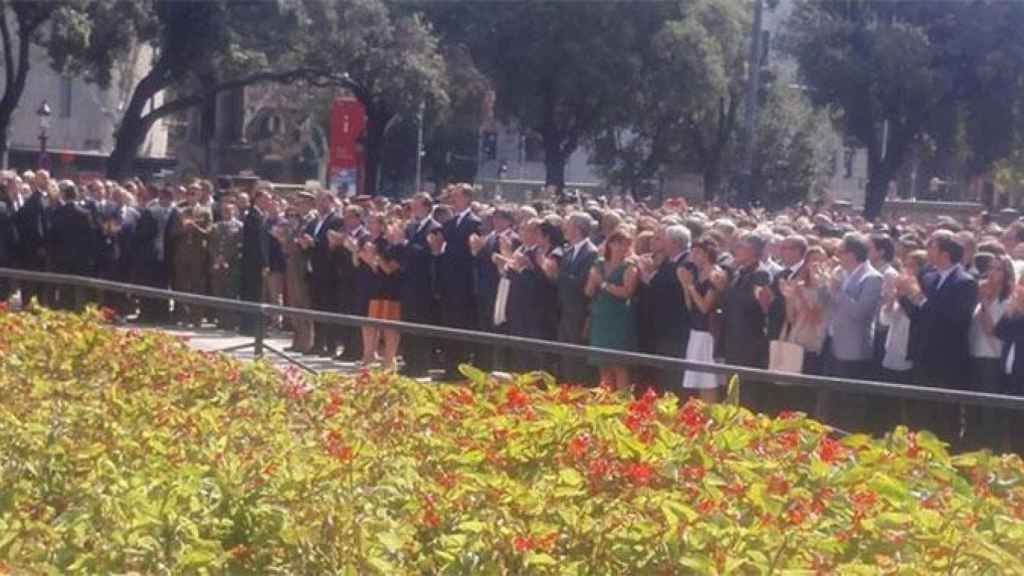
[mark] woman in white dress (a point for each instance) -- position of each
(701, 297)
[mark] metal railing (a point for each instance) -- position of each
(750, 376)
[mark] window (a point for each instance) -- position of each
(65, 97)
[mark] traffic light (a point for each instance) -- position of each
(490, 145)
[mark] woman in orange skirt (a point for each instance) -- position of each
(385, 303)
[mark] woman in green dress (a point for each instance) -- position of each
(612, 283)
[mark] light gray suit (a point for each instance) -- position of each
(852, 315)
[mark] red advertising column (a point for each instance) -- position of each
(348, 121)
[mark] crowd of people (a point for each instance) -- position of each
(933, 303)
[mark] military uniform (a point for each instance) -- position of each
(296, 291)
(226, 267)
(191, 238)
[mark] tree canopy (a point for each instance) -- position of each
(898, 70)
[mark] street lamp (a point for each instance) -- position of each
(44, 124)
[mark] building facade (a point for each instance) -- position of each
(83, 119)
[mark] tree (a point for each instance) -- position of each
(559, 69)
(388, 57)
(21, 27)
(895, 69)
(683, 109)
(793, 160)
(200, 50)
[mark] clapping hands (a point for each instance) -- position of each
(685, 276)
(476, 243)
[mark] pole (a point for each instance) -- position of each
(750, 113)
(419, 148)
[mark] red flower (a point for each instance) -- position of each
(788, 415)
(692, 417)
(525, 543)
(706, 507)
(864, 501)
(579, 446)
(639, 474)
(332, 409)
(830, 451)
(599, 469)
(778, 484)
(797, 513)
(430, 517)
(516, 399)
(789, 440)
(338, 449)
(737, 488)
(694, 473)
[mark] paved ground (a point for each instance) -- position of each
(211, 339)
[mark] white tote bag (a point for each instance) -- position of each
(784, 356)
(501, 301)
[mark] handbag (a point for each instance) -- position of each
(785, 356)
(501, 301)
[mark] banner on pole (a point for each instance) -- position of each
(348, 123)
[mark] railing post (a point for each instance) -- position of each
(261, 331)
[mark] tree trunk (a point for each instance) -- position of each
(712, 180)
(130, 136)
(134, 126)
(373, 147)
(554, 170)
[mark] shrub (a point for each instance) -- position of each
(123, 451)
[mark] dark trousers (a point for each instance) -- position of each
(986, 427)
(153, 310)
(30, 289)
(844, 410)
(456, 314)
(941, 418)
(349, 337)
(252, 291)
(417, 351)
(324, 297)
(671, 380)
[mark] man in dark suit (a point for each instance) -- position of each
(791, 254)
(346, 244)
(455, 274)
(30, 222)
(573, 304)
(418, 304)
(323, 281)
(255, 253)
(940, 306)
(669, 330)
(745, 312)
(149, 255)
(487, 278)
(8, 233)
(72, 245)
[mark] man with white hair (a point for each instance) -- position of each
(573, 271)
(667, 332)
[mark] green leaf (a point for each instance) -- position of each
(539, 559)
(732, 397)
(472, 526)
(570, 477)
(475, 375)
(391, 541)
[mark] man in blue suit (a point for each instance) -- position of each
(940, 306)
(856, 296)
(456, 274)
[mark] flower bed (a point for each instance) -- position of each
(126, 452)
